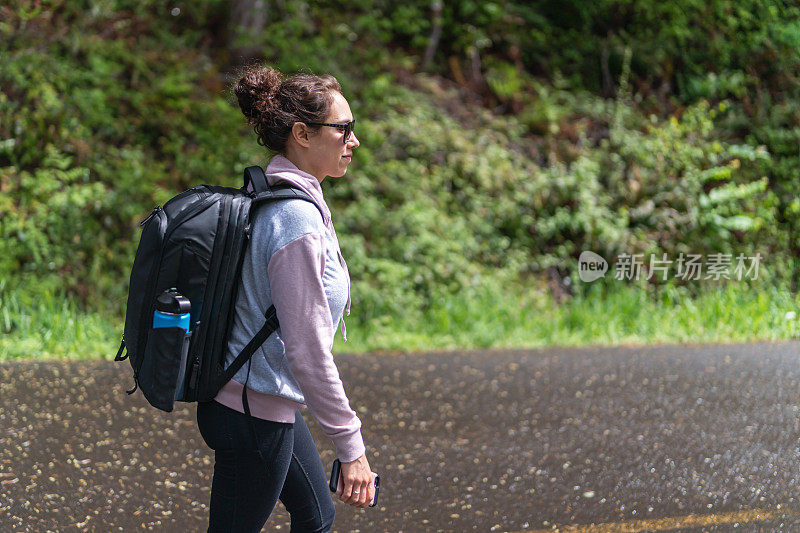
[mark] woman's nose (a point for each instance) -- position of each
(353, 140)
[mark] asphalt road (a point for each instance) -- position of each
(690, 438)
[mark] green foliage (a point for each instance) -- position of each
(441, 206)
(682, 186)
(681, 52)
(93, 131)
(41, 323)
(499, 314)
(612, 126)
(496, 314)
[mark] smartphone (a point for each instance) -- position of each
(336, 470)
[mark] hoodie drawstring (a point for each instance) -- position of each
(280, 168)
(347, 308)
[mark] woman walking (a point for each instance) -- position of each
(293, 262)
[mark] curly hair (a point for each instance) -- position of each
(273, 104)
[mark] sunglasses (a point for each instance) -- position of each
(347, 128)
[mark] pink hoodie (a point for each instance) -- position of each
(281, 169)
(308, 287)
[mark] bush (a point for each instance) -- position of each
(108, 109)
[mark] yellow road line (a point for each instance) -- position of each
(677, 522)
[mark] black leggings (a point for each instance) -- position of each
(244, 492)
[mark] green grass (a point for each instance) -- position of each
(48, 327)
(525, 318)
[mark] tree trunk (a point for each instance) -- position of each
(247, 20)
(433, 42)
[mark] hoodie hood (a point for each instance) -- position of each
(281, 169)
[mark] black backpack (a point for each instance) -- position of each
(193, 246)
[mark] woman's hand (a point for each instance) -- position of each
(359, 488)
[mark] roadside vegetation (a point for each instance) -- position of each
(55, 327)
(499, 141)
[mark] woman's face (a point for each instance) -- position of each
(329, 155)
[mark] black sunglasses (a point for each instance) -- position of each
(347, 127)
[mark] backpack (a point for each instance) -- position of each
(190, 253)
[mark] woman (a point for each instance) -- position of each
(294, 263)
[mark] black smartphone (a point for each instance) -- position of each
(334, 484)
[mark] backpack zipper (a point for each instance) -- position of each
(156, 209)
(143, 322)
(144, 330)
(212, 288)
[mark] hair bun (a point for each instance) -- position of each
(272, 104)
(256, 91)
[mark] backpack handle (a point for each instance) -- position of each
(255, 175)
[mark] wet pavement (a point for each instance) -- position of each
(690, 438)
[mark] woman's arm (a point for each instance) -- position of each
(295, 278)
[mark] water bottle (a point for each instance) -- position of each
(173, 311)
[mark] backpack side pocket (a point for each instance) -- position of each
(158, 377)
(180, 390)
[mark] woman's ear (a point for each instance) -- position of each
(301, 134)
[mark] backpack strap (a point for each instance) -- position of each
(285, 191)
(250, 424)
(266, 330)
(264, 192)
(255, 175)
(245, 356)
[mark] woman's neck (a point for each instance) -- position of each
(302, 163)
